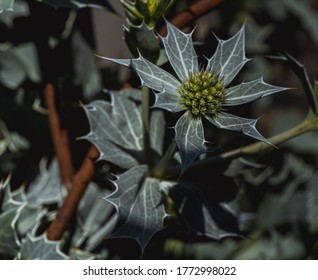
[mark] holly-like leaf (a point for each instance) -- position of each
(47, 187)
(6, 5)
(40, 248)
(229, 57)
(9, 242)
(246, 92)
(139, 205)
(231, 122)
(141, 39)
(189, 137)
(89, 76)
(116, 128)
(154, 77)
(312, 203)
(78, 4)
(203, 215)
(91, 221)
(180, 51)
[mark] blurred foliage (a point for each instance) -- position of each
(270, 201)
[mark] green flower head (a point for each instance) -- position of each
(201, 93)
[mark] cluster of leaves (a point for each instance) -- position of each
(171, 191)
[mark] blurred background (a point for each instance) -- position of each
(57, 42)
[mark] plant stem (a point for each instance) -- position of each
(60, 138)
(309, 124)
(79, 185)
(196, 10)
(145, 125)
(261, 147)
(159, 171)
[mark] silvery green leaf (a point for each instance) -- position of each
(27, 53)
(120, 61)
(27, 219)
(125, 187)
(189, 137)
(90, 221)
(9, 243)
(47, 187)
(180, 52)
(116, 128)
(88, 77)
(154, 77)
(142, 39)
(249, 91)
(229, 57)
(12, 72)
(40, 248)
(6, 5)
(232, 122)
(191, 202)
(78, 4)
(139, 204)
(307, 15)
(312, 203)
(167, 101)
(19, 9)
(157, 128)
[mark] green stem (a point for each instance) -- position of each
(145, 127)
(159, 171)
(309, 124)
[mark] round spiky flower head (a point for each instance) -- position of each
(201, 93)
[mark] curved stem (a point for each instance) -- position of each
(196, 10)
(159, 171)
(309, 124)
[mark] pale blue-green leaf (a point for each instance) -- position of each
(116, 128)
(126, 187)
(312, 203)
(9, 243)
(276, 246)
(189, 137)
(6, 5)
(157, 128)
(12, 72)
(78, 4)
(47, 187)
(229, 57)
(78, 254)
(120, 61)
(88, 77)
(180, 52)
(167, 101)
(154, 77)
(249, 91)
(13, 199)
(92, 214)
(27, 219)
(307, 15)
(145, 211)
(27, 53)
(20, 9)
(243, 125)
(40, 248)
(203, 215)
(141, 39)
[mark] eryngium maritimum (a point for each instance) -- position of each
(201, 93)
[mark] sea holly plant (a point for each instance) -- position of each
(201, 92)
(143, 201)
